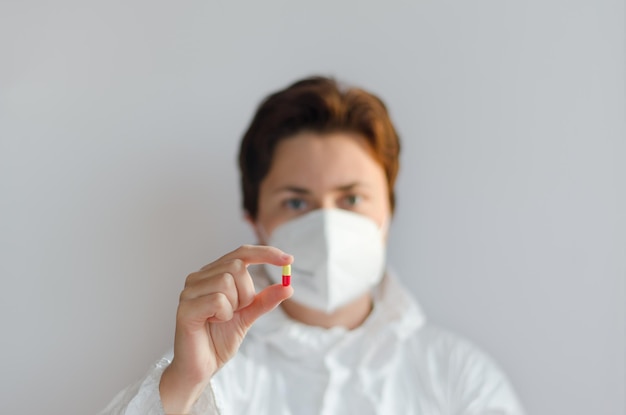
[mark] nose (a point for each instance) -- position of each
(327, 202)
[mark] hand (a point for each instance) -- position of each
(216, 309)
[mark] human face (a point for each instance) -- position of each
(311, 171)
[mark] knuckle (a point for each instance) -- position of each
(229, 290)
(191, 278)
(220, 302)
(238, 265)
(245, 247)
(226, 281)
(184, 295)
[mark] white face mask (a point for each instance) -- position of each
(339, 255)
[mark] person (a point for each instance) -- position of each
(318, 166)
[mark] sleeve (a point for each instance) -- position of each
(143, 398)
(477, 386)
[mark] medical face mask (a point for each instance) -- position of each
(338, 256)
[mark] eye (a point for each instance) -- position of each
(295, 204)
(352, 200)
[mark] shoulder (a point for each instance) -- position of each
(470, 377)
(453, 352)
(440, 342)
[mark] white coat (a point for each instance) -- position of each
(394, 363)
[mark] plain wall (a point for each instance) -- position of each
(119, 127)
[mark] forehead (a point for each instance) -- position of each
(313, 160)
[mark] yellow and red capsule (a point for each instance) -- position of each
(286, 275)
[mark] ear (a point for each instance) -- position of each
(248, 218)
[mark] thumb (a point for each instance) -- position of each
(264, 302)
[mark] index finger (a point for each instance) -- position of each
(259, 254)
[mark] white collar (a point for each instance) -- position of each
(395, 316)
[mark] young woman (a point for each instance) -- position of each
(318, 165)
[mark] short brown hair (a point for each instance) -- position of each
(320, 105)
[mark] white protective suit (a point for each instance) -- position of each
(394, 363)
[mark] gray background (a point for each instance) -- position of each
(119, 125)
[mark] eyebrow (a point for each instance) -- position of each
(303, 191)
(350, 186)
(293, 189)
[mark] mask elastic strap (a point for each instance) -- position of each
(384, 228)
(263, 234)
